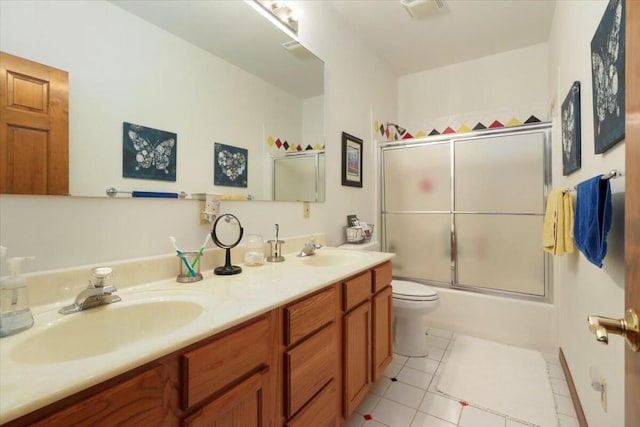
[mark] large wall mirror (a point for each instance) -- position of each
(210, 72)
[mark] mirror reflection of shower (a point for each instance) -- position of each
(299, 176)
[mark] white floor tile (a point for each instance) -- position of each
(559, 386)
(437, 342)
(423, 364)
(474, 417)
(380, 386)
(368, 404)
(564, 405)
(392, 370)
(440, 333)
(435, 353)
(415, 378)
(426, 420)
(399, 359)
(404, 393)
(514, 423)
(373, 423)
(434, 383)
(566, 421)
(555, 371)
(441, 407)
(393, 414)
(355, 420)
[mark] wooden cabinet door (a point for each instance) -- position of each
(241, 406)
(382, 337)
(140, 400)
(357, 356)
(34, 127)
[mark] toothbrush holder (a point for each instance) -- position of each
(275, 250)
(192, 259)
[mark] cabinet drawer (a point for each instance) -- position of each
(321, 411)
(308, 367)
(219, 363)
(309, 315)
(356, 290)
(381, 277)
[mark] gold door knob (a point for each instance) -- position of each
(628, 327)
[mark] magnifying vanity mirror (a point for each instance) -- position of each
(205, 71)
(226, 234)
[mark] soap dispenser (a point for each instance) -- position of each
(15, 314)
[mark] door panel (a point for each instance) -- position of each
(632, 204)
(34, 128)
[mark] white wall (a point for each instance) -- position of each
(509, 84)
(76, 231)
(506, 85)
(582, 288)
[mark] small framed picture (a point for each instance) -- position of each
(351, 160)
(230, 165)
(571, 146)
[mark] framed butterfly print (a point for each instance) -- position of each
(148, 153)
(230, 165)
(607, 73)
(571, 147)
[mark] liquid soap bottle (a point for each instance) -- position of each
(15, 314)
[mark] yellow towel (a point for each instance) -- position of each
(557, 232)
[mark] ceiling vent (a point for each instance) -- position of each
(421, 8)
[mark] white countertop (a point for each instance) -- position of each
(226, 301)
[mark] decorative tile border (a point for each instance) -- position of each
(279, 144)
(395, 133)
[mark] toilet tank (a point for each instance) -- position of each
(372, 245)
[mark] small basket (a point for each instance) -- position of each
(359, 234)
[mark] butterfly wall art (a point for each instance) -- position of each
(607, 73)
(148, 153)
(230, 165)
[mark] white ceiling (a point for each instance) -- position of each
(462, 30)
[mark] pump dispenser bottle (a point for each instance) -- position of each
(15, 314)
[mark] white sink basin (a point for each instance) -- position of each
(334, 258)
(105, 329)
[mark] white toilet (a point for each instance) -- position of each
(411, 303)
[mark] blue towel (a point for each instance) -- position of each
(154, 194)
(593, 218)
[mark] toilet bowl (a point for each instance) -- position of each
(411, 302)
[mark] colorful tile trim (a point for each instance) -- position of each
(278, 144)
(393, 133)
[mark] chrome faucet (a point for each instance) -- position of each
(309, 249)
(97, 293)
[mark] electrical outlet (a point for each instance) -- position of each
(603, 395)
(306, 210)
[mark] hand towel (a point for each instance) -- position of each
(557, 232)
(593, 218)
(550, 225)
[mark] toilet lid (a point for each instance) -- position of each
(413, 291)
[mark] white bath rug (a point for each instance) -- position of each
(500, 378)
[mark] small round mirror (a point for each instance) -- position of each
(226, 234)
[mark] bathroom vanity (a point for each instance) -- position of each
(287, 344)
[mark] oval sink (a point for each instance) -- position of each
(334, 258)
(105, 329)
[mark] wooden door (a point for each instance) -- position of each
(382, 338)
(241, 406)
(357, 356)
(632, 205)
(34, 127)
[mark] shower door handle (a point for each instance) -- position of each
(628, 327)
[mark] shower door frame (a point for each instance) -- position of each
(541, 128)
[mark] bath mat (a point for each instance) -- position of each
(500, 378)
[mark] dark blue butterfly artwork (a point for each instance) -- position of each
(148, 153)
(607, 73)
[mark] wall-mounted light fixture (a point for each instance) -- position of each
(281, 12)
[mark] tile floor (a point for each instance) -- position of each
(407, 397)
